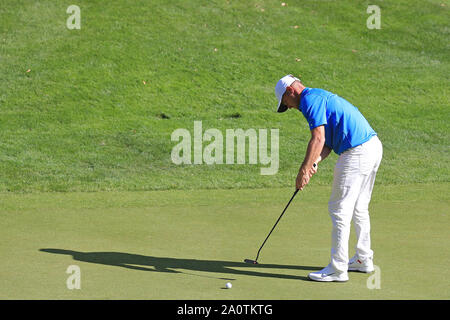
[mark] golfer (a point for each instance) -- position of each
(337, 125)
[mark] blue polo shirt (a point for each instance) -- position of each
(345, 126)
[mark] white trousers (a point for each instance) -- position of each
(354, 177)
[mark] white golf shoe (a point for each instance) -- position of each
(328, 274)
(356, 264)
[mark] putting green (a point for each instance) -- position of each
(187, 245)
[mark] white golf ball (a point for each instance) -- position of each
(228, 285)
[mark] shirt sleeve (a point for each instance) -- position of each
(314, 111)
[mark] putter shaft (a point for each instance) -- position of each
(257, 255)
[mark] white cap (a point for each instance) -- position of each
(280, 89)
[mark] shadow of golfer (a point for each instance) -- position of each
(171, 265)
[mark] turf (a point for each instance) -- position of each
(82, 118)
(152, 245)
(86, 118)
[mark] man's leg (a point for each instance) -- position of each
(350, 177)
(361, 217)
(346, 187)
(361, 220)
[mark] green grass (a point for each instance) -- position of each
(152, 245)
(82, 119)
(86, 175)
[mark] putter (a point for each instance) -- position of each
(257, 255)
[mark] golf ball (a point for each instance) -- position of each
(228, 285)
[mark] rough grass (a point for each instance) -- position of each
(83, 120)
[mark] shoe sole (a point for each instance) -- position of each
(361, 270)
(332, 280)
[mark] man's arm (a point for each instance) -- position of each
(326, 150)
(313, 153)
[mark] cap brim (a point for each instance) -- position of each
(282, 108)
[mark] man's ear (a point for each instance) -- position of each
(289, 90)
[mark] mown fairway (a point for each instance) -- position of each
(184, 245)
(87, 179)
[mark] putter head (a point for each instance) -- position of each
(250, 261)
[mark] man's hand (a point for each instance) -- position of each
(302, 180)
(303, 177)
